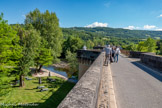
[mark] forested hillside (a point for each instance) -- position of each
(119, 32)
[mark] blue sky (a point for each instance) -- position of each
(130, 14)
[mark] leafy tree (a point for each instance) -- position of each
(141, 47)
(161, 47)
(131, 47)
(10, 53)
(151, 45)
(89, 44)
(48, 25)
(72, 44)
(98, 41)
(45, 58)
(72, 61)
(30, 41)
(147, 46)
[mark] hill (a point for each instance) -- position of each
(119, 32)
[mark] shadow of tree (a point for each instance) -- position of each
(54, 100)
(57, 96)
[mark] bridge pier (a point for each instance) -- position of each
(85, 59)
(84, 64)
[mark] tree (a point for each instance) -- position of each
(98, 41)
(72, 44)
(161, 47)
(10, 52)
(151, 45)
(72, 61)
(89, 44)
(45, 58)
(147, 46)
(141, 47)
(48, 25)
(131, 47)
(30, 41)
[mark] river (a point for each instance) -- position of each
(63, 73)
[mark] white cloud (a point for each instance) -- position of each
(149, 27)
(97, 24)
(145, 27)
(160, 15)
(158, 29)
(131, 27)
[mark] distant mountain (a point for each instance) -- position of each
(118, 32)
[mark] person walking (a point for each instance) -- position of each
(117, 52)
(113, 54)
(107, 54)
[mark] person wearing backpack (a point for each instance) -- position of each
(117, 52)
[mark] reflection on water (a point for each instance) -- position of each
(63, 72)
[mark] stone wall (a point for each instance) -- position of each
(85, 59)
(88, 54)
(85, 92)
(125, 52)
(152, 60)
(82, 69)
(99, 47)
(149, 59)
(133, 54)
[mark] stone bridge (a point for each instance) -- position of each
(134, 82)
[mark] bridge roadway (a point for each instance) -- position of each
(135, 85)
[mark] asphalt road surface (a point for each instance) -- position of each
(135, 85)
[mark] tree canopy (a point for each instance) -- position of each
(10, 52)
(51, 36)
(48, 25)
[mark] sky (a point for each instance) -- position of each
(128, 14)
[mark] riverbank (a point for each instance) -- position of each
(60, 70)
(45, 72)
(61, 65)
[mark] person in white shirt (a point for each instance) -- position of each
(84, 47)
(117, 52)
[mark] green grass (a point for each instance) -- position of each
(30, 95)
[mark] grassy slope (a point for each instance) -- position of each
(47, 99)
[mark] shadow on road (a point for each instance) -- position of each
(147, 70)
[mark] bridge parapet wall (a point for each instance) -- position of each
(133, 54)
(152, 60)
(125, 52)
(85, 92)
(149, 59)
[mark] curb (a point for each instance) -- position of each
(112, 99)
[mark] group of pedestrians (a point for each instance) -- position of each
(111, 54)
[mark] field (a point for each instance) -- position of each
(29, 95)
